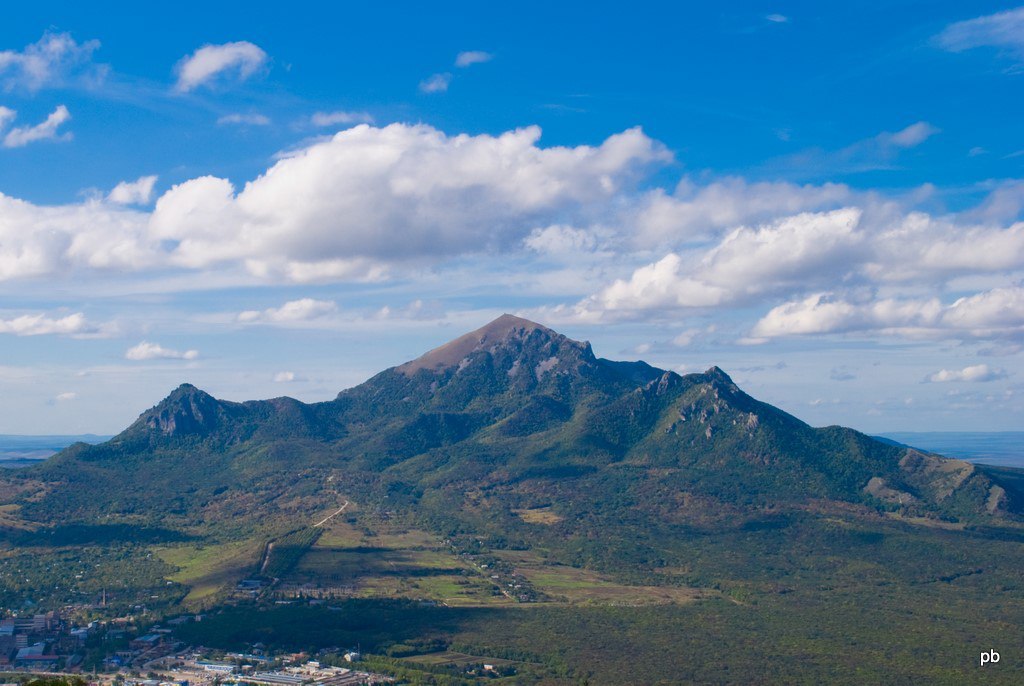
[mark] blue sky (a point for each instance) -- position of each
(283, 199)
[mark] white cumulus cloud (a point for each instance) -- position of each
(303, 310)
(340, 117)
(807, 253)
(910, 137)
(153, 351)
(661, 285)
(822, 314)
(138, 192)
(7, 115)
(789, 253)
(46, 130)
(45, 240)
(1003, 30)
(437, 83)
(993, 314)
(560, 239)
(801, 249)
(210, 62)
(470, 57)
(977, 372)
(244, 119)
(425, 194)
(50, 61)
(695, 211)
(41, 325)
(919, 246)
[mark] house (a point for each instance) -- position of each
(34, 655)
(146, 642)
(44, 622)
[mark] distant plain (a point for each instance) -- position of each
(1000, 448)
(21, 451)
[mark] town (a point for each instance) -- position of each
(128, 651)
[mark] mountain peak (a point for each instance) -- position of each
(186, 410)
(715, 372)
(509, 323)
(503, 330)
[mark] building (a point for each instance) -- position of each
(146, 642)
(34, 655)
(217, 667)
(277, 679)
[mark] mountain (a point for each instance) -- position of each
(509, 418)
(523, 414)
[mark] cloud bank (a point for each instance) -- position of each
(395, 202)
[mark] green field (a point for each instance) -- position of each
(385, 560)
(388, 561)
(210, 569)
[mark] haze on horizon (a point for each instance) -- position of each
(825, 203)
